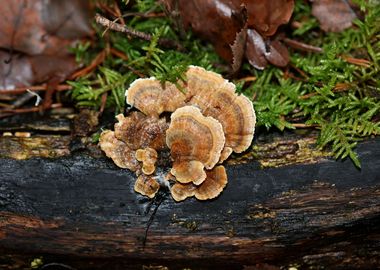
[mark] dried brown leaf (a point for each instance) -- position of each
(278, 54)
(220, 22)
(238, 49)
(266, 16)
(255, 51)
(333, 15)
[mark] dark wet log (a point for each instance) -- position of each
(82, 211)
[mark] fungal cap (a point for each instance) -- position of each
(200, 81)
(226, 152)
(180, 191)
(216, 97)
(211, 188)
(147, 186)
(213, 185)
(187, 172)
(140, 131)
(150, 97)
(193, 137)
(118, 151)
(237, 116)
(148, 156)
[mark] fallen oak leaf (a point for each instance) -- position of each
(219, 22)
(266, 16)
(333, 15)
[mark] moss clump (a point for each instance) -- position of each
(335, 92)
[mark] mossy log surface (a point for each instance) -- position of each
(277, 211)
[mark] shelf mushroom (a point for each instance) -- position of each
(140, 131)
(132, 133)
(148, 156)
(152, 98)
(146, 185)
(214, 184)
(209, 121)
(195, 143)
(216, 97)
(118, 151)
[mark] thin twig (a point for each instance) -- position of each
(119, 54)
(248, 79)
(302, 46)
(118, 12)
(33, 109)
(144, 14)
(339, 87)
(301, 125)
(300, 71)
(356, 61)
(94, 63)
(167, 43)
(42, 87)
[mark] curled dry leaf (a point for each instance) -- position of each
(219, 21)
(43, 27)
(214, 184)
(267, 16)
(36, 36)
(333, 15)
(259, 52)
(195, 143)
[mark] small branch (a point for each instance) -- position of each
(339, 87)
(118, 12)
(302, 46)
(20, 90)
(9, 112)
(119, 54)
(144, 14)
(248, 79)
(167, 43)
(94, 63)
(33, 109)
(301, 125)
(357, 61)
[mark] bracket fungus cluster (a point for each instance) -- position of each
(208, 122)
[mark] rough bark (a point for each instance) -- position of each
(82, 211)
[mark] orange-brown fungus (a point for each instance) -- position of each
(209, 121)
(211, 188)
(200, 82)
(140, 131)
(152, 98)
(121, 154)
(181, 192)
(195, 142)
(146, 185)
(148, 156)
(216, 97)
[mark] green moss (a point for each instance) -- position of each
(343, 117)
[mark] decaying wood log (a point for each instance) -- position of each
(82, 211)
